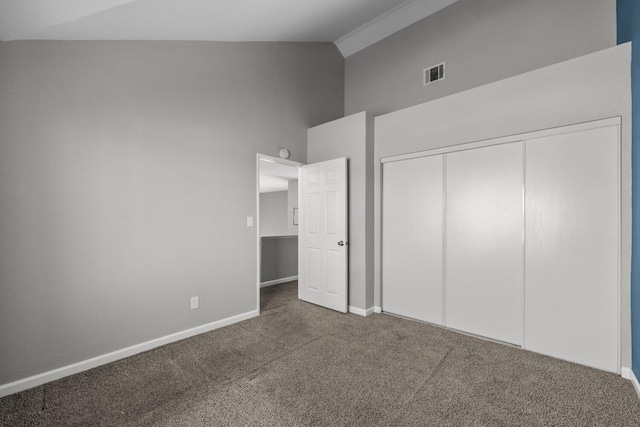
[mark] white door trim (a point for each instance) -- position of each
(507, 139)
(256, 221)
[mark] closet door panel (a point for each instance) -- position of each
(484, 248)
(412, 238)
(571, 251)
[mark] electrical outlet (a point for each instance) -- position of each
(195, 302)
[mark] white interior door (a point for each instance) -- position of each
(571, 254)
(322, 233)
(412, 238)
(484, 248)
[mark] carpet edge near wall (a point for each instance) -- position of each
(85, 365)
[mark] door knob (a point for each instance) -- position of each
(341, 243)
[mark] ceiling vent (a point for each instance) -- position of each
(433, 74)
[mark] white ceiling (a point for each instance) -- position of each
(349, 23)
(276, 176)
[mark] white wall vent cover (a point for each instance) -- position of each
(433, 74)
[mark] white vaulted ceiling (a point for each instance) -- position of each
(350, 22)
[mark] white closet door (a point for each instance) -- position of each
(571, 249)
(412, 238)
(484, 249)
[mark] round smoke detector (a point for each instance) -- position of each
(284, 153)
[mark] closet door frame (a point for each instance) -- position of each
(613, 121)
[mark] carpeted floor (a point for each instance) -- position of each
(298, 364)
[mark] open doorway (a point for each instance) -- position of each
(277, 230)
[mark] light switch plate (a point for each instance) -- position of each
(195, 302)
(249, 221)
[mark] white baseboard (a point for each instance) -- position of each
(377, 309)
(361, 312)
(278, 281)
(85, 365)
(628, 374)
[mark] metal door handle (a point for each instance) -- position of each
(341, 243)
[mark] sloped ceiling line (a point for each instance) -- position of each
(351, 24)
(21, 19)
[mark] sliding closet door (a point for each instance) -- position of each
(412, 238)
(484, 250)
(572, 246)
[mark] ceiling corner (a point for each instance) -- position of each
(396, 19)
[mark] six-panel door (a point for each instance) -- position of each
(322, 234)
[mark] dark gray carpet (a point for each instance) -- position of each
(299, 364)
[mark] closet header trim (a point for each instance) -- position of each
(507, 139)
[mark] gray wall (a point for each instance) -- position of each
(351, 137)
(292, 202)
(127, 171)
(481, 41)
(273, 213)
(571, 92)
(279, 258)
